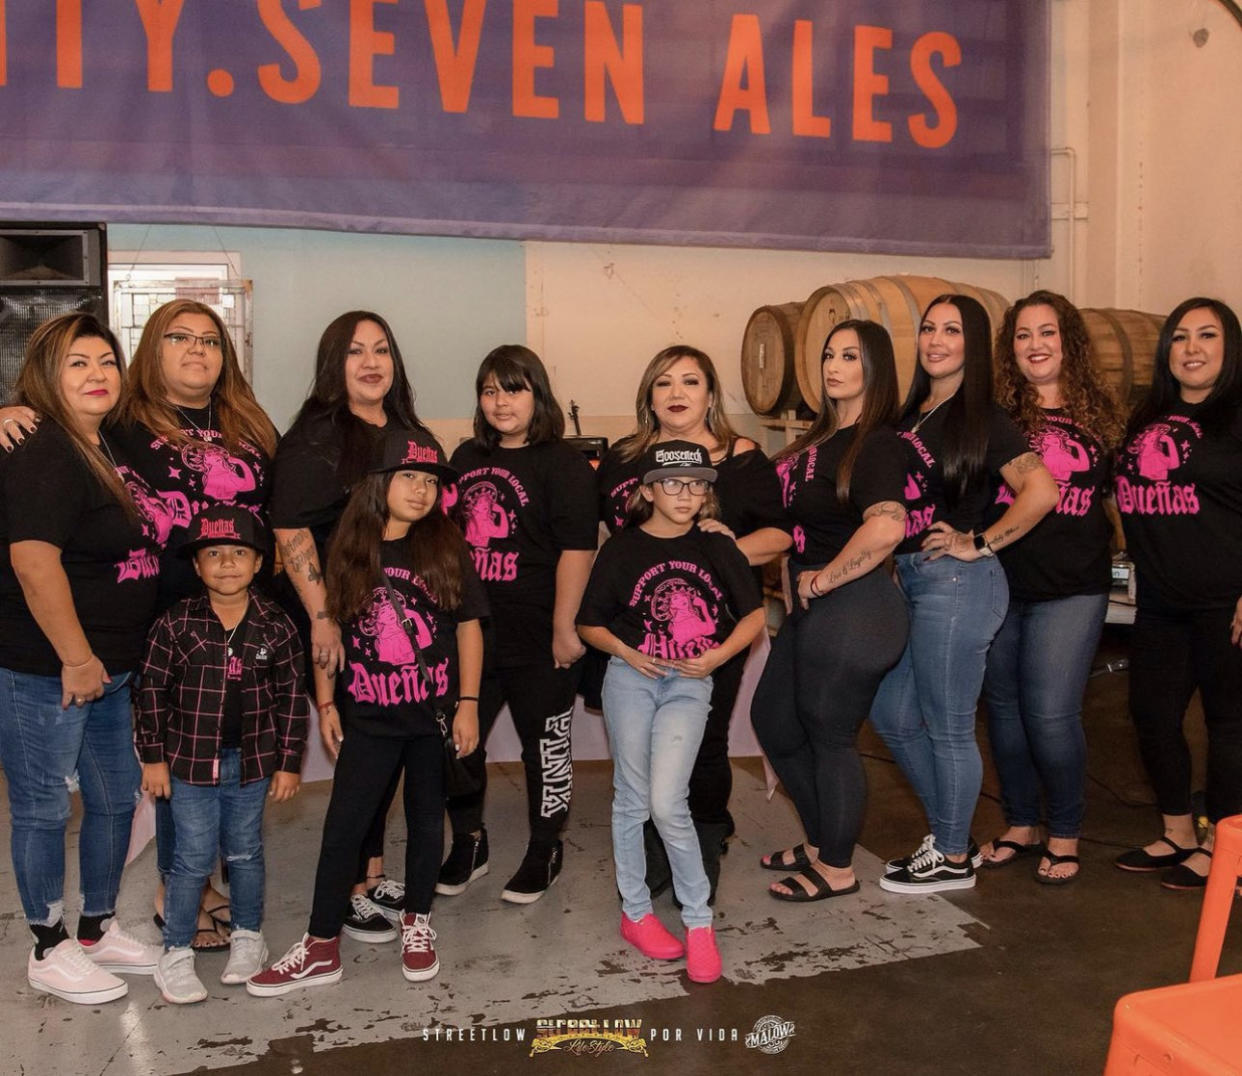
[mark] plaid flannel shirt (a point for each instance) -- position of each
(180, 698)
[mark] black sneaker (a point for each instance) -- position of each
(900, 864)
(930, 872)
(389, 898)
(540, 867)
(365, 922)
(467, 860)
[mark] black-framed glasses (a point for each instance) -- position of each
(673, 486)
(180, 339)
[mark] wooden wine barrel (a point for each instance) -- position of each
(896, 302)
(769, 377)
(1123, 348)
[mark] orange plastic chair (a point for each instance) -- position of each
(1195, 1027)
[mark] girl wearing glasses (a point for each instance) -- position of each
(669, 603)
(843, 482)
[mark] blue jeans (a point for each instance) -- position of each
(925, 708)
(46, 753)
(207, 817)
(1037, 673)
(655, 728)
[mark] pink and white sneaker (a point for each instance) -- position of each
(122, 953)
(310, 962)
(702, 957)
(68, 973)
(418, 948)
(650, 937)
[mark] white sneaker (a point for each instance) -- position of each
(247, 955)
(67, 972)
(120, 952)
(176, 978)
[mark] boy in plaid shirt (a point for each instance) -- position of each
(222, 715)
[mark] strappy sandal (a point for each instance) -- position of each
(1018, 850)
(1141, 861)
(1180, 876)
(219, 920)
(773, 861)
(821, 890)
(1054, 860)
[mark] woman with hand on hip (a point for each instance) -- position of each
(78, 574)
(959, 446)
(843, 481)
(680, 397)
(1059, 576)
(1182, 515)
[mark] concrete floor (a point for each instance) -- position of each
(1012, 977)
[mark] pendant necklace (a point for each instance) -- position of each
(107, 451)
(200, 430)
(925, 415)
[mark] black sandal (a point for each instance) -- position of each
(1054, 860)
(773, 860)
(1141, 861)
(821, 890)
(1181, 876)
(1018, 850)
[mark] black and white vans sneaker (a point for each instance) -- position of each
(900, 864)
(366, 922)
(930, 872)
(467, 860)
(540, 867)
(389, 898)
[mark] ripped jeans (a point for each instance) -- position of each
(47, 752)
(209, 818)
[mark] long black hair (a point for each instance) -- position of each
(1164, 395)
(515, 368)
(879, 402)
(328, 397)
(966, 414)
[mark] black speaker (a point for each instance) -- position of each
(46, 270)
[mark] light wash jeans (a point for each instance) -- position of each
(925, 708)
(1037, 673)
(46, 752)
(207, 818)
(655, 728)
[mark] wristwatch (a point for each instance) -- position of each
(982, 547)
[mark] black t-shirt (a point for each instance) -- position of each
(746, 486)
(669, 597)
(1066, 552)
(307, 489)
(231, 719)
(520, 508)
(49, 494)
(822, 524)
(925, 494)
(186, 479)
(383, 691)
(1179, 490)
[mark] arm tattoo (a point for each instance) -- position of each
(1004, 536)
(1026, 463)
(892, 509)
(838, 576)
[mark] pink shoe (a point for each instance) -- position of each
(650, 938)
(702, 956)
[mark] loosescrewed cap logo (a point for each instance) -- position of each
(666, 457)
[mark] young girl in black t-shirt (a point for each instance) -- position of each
(526, 503)
(670, 603)
(401, 586)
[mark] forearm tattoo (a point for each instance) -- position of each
(845, 571)
(300, 556)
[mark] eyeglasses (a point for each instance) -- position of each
(673, 486)
(208, 343)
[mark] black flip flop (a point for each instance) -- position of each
(1053, 860)
(801, 861)
(821, 889)
(1019, 851)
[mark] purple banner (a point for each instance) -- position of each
(903, 126)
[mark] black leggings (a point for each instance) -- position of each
(364, 769)
(541, 700)
(1171, 654)
(816, 691)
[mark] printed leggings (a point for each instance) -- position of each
(541, 700)
(816, 691)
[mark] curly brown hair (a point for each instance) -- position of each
(1085, 398)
